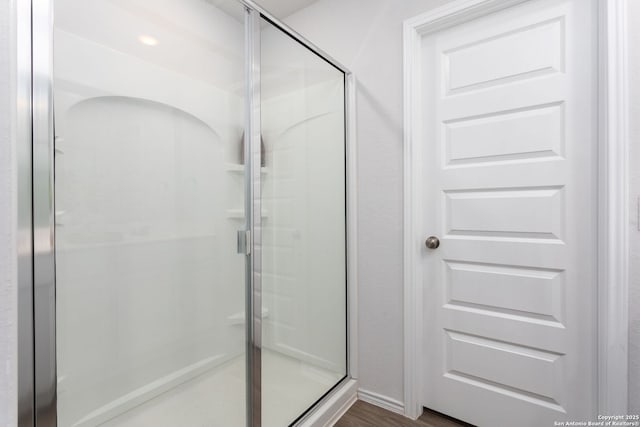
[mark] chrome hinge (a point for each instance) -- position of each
(244, 242)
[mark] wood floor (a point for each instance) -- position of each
(363, 414)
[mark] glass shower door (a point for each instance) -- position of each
(149, 194)
(304, 298)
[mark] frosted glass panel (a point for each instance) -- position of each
(303, 242)
(149, 190)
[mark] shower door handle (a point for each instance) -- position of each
(244, 242)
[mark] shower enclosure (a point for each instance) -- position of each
(190, 233)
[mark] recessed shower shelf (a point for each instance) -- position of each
(239, 213)
(238, 168)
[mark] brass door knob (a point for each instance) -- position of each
(432, 242)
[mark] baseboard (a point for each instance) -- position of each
(383, 402)
(330, 411)
(149, 391)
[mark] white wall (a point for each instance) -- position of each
(8, 293)
(366, 35)
(634, 195)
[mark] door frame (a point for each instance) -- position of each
(612, 281)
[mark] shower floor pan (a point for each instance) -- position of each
(217, 398)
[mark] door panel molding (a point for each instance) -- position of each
(612, 195)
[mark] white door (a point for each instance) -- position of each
(510, 151)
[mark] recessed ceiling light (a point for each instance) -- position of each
(148, 40)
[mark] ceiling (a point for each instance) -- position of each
(278, 8)
(283, 8)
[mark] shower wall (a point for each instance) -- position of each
(150, 290)
(302, 269)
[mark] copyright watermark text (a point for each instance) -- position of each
(604, 421)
